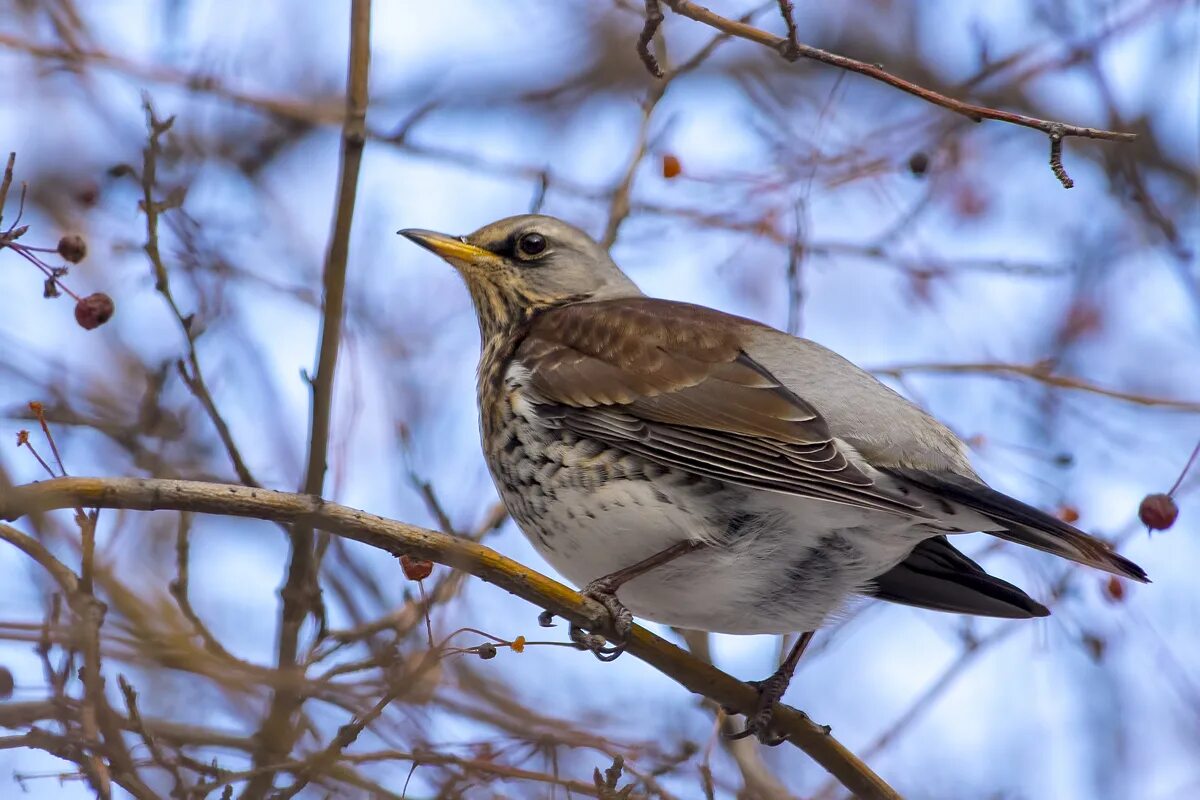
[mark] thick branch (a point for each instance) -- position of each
(398, 538)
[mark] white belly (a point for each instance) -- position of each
(796, 562)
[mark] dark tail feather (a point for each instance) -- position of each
(937, 576)
(1025, 524)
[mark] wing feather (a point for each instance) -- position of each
(672, 383)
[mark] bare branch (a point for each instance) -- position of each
(398, 538)
(300, 593)
(1042, 374)
(654, 18)
(792, 50)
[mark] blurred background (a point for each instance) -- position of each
(1057, 331)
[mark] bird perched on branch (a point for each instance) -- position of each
(707, 471)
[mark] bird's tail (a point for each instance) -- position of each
(1072, 544)
(1023, 523)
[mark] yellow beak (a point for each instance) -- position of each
(450, 248)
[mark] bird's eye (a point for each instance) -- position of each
(531, 244)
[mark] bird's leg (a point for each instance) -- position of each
(771, 692)
(604, 591)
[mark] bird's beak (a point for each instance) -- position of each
(451, 248)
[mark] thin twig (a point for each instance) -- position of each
(654, 18)
(791, 47)
(156, 752)
(100, 724)
(976, 113)
(1056, 165)
(1183, 472)
(190, 372)
(6, 182)
(1041, 374)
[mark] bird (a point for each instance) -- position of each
(707, 471)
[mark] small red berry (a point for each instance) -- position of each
(415, 569)
(1114, 589)
(671, 167)
(1158, 511)
(1068, 514)
(94, 310)
(73, 248)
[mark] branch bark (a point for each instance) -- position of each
(398, 538)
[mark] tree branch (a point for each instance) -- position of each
(1041, 374)
(791, 49)
(398, 538)
(299, 593)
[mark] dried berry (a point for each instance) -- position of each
(1095, 646)
(415, 569)
(1158, 511)
(94, 310)
(486, 651)
(918, 164)
(1114, 589)
(1068, 514)
(671, 166)
(88, 194)
(73, 248)
(7, 684)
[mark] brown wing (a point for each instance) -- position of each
(670, 382)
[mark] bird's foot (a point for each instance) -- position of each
(605, 594)
(758, 724)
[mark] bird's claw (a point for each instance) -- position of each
(758, 724)
(621, 621)
(596, 644)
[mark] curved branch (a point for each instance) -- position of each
(398, 538)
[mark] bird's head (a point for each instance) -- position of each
(518, 265)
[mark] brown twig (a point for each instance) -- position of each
(100, 724)
(1056, 165)
(299, 594)
(6, 181)
(1041, 374)
(190, 372)
(618, 206)
(654, 18)
(346, 736)
(791, 46)
(620, 203)
(179, 589)
(157, 755)
(976, 113)
(1183, 472)
(397, 538)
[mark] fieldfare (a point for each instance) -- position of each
(722, 475)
